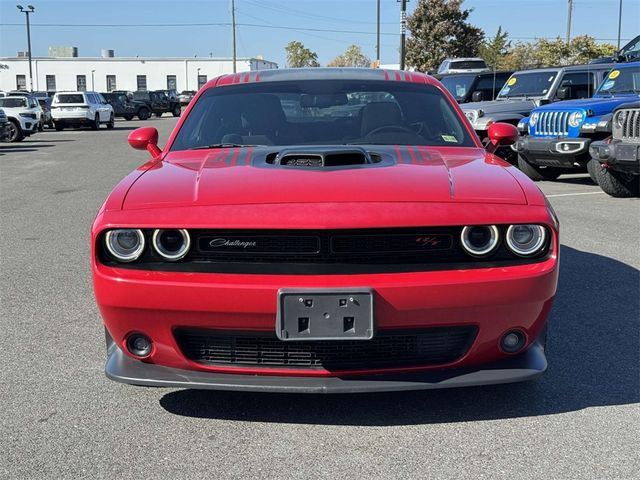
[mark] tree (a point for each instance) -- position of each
(353, 57)
(493, 50)
(439, 30)
(520, 57)
(300, 56)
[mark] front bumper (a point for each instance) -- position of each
(618, 155)
(554, 152)
(526, 366)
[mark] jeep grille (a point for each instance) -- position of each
(553, 123)
(630, 128)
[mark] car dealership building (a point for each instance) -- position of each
(105, 74)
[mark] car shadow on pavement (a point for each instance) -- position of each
(593, 350)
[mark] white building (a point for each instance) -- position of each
(107, 74)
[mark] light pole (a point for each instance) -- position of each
(378, 34)
(619, 23)
(27, 11)
(403, 31)
(93, 86)
(233, 32)
(569, 12)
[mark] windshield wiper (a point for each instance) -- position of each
(221, 145)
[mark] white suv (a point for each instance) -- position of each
(81, 108)
(24, 114)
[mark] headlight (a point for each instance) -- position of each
(171, 245)
(533, 119)
(125, 245)
(526, 240)
(471, 115)
(576, 119)
(480, 240)
(620, 118)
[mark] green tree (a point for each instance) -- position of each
(353, 57)
(520, 57)
(439, 29)
(493, 50)
(300, 56)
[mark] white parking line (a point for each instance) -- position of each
(572, 194)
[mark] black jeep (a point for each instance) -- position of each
(159, 102)
(124, 106)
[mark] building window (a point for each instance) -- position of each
(81, 83)
(51, 83)
(172, 82)
(142, 83)
(111, 83)
(21, 82)
(202, 79)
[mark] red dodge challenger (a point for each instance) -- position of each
(324, 230)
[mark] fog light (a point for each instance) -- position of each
(513, 341)
(139, 345)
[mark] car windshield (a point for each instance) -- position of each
(13, 102)
(632, 48)
(70, 98)
(621, 80)
(467, 64)
(324, 112)
(535, 84)
(458, 85)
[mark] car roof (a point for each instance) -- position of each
(571, 68)
(299, 74)
(626, 65)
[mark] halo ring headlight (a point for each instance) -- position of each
(125, 245)
(480, 240)
(576, 118)
(171, 244)
(526, 240)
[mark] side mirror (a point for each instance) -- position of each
(145, 138)
(477, 96)
(563, 93)
(501, 135)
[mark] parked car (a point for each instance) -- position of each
(264, 252)
(172, 94)
(124, 106)
(617, 160)
(24, 115)
(4, 126)
(629, 53)
(528, 89)
(186, 96)
(77, 109)
(158, 103)
(463, 65)
(557, 136)
(474, 87)
(45, 105)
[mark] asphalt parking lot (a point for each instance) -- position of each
(61, 418)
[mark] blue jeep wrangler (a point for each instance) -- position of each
(556, 137)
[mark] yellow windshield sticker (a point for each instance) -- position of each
(449, 138)
(512, 81)
(614, 74)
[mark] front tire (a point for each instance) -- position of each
(537, 173)
(41, 126)
(58, 126)
(128, 117)
(15, 132)
(618, 184)
(112, 122)
(158, 114)
(95, 125)
(177, 111)
(592, 167)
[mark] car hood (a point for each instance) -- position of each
(241, 176)
(597, 105)
(516, 105)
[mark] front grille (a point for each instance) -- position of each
(388, 349)
(630, 130)
(553, 123)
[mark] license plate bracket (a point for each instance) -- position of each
(325, 314)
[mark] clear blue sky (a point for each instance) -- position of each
(522, 19)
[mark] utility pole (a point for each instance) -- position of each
(619, 23)
(569, 11)
(378, 35)
(27, 11)
(233, 32)
(403, 31)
